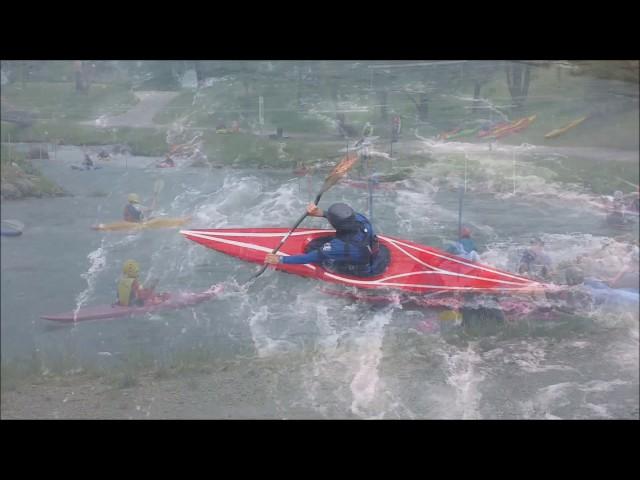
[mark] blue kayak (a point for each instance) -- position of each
(603, 294)
(11, 228)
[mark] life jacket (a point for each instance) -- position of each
(360, 245)
(132, 214)
(126, 296)
(468, 244)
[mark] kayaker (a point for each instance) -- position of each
(534, 262)
(167, 162)
(629, 276)
(395, 128)
(616, 217)
(130, 291)
(353, 250)
(465, 247)
(87, 162)
(621, 290)
(221, 127)
(367, 130)
(134, 211)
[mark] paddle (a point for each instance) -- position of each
(460, 195)
(336, 174)
(157, 188)
(627, 182)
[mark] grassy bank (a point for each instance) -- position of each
(143, 141)
(60, 100)
(19, 178)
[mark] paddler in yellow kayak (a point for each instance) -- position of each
(130, 291)
(134, 211)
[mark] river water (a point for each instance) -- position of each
(329, 357)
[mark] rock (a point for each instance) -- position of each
(9, 191)
(25, 186)
(121, 149)
(38, 153)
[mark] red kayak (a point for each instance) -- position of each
(100, 312)
(496, 128)
(513, 309)
(412, 267)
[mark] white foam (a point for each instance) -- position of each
(465, 376)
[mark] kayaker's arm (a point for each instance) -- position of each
(311, 257)
(613, 282)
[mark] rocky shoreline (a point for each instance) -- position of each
(20, 179)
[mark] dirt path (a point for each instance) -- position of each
(142, 114)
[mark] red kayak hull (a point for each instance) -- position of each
(103, 312)
(412, 268)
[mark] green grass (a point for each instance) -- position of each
(143, 141)
(60, 100)
(14, 165)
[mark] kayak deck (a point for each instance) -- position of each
(412, 267)
(158, 222)
(102, 312)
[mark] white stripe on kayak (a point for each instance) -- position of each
(473, 265)
(252, 234)
(446, 272)
(250, 246)
(382, 283)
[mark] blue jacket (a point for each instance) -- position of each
(468, 245)
(132, 214)
(351, 251)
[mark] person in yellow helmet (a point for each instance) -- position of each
(134, 211)
(130, 291)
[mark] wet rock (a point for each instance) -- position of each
(9, 191)
(38, 153)
(121, 149)
(24, 186)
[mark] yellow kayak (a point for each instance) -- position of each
(568, 126)
(159, 222)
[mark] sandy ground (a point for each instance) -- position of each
(222, 391)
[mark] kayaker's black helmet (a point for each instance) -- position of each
(340, 215)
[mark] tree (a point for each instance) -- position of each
(81, 76)
(518, 76)
(422, 105)
(480, 74)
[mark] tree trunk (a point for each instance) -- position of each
(476, 95)
(299, 88)
(423, 107)
(517, 83)
(197, 67)
(78, 68)
(382, 98)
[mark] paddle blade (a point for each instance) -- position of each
(338, 172)
(158, 186)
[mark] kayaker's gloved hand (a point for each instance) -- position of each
(314, 210)
(272, 259)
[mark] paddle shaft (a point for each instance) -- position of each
(333, 177)
(460, 194)
(284, 239)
